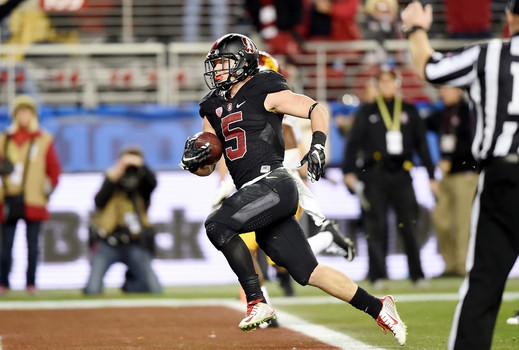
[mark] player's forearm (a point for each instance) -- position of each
(420, 50)
(319, 119)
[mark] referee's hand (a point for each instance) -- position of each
(415, 14)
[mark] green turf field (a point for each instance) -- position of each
(428, 320)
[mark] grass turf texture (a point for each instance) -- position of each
(428, 321)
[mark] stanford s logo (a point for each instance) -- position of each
(219, 112)
(249, 45)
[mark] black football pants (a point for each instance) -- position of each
(266, 207)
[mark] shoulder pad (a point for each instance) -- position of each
(269, 81)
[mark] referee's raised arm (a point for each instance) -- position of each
(417, 20)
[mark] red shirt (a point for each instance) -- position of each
(343, 21)
(461, 20)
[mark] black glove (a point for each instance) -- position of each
(6, 167)
(194, 157)
(315, 157)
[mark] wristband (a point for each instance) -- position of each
(318, 137)
(408, 32)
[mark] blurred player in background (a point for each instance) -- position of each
(30, 170)
(245, 108)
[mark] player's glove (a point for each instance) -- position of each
(194, 157)
(315, 157)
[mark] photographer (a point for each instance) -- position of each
(121, 231)
(29, 171)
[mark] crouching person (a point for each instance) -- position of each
(120, 230)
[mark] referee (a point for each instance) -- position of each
(490, 73)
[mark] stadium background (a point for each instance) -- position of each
(129, 79)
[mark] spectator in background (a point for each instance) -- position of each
(29, 24)
(465, 23)
(30, 169)
(382, 21)
(331, 20)
(6, 7)
(218, 18)
(277, 22)
(121, 231)
(378, 158)
(381, 24)
(457, 188)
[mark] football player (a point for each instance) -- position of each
(245, 109)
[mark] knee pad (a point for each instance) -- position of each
(217, 232)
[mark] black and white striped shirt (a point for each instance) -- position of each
(490, 72)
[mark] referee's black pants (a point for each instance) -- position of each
(492, 252)
(395, 188)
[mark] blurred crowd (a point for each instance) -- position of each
(285, 24)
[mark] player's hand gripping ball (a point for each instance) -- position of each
(213, 142)
(201, 149)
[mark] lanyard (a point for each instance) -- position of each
(391, 125)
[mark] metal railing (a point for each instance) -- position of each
(93, 74)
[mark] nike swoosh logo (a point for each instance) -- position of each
(238, 105)
(396, 322)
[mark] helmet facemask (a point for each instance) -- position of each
(229, 66)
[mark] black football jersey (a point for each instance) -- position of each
(251, 136)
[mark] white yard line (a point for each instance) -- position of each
(99, 303)
(323, 334)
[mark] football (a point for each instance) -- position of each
(215, 144)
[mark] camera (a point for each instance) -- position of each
(6, 167)
(131, 178)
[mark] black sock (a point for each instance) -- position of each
(366, 302)
(252, 288)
